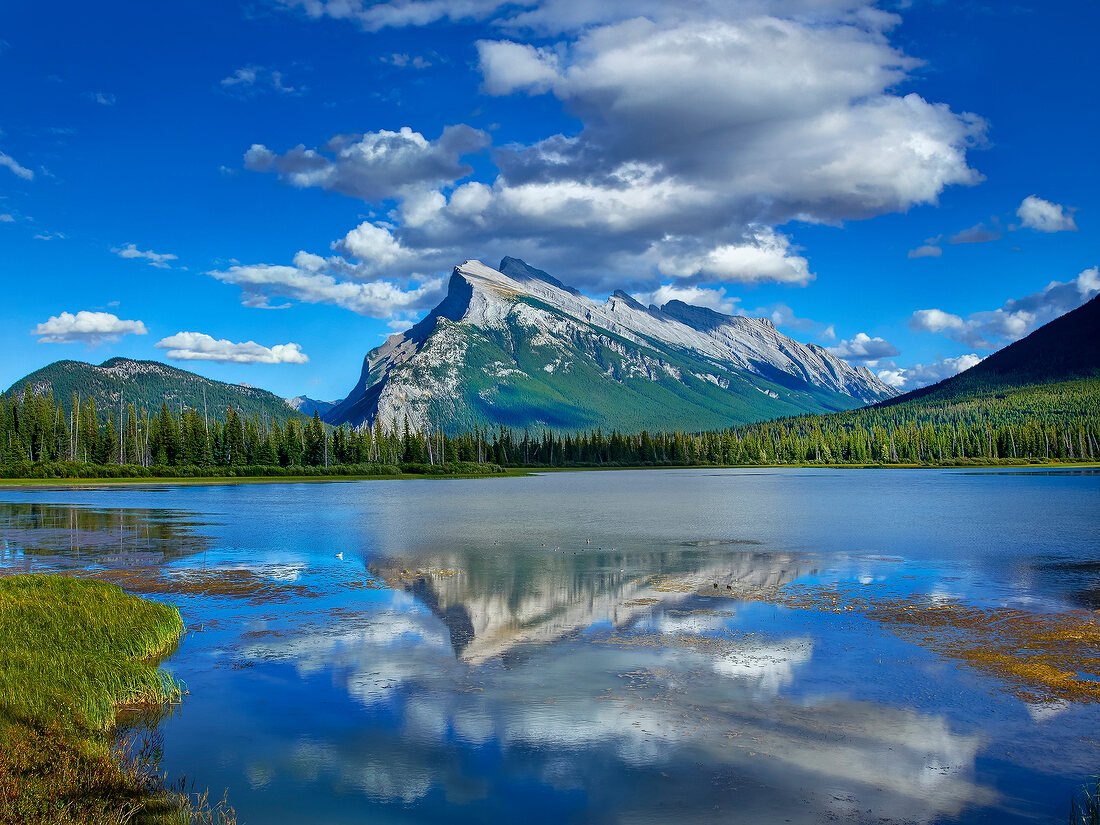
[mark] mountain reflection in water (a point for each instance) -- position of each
(714, 646)
(488, 654)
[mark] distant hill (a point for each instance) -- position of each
(309, 406)
(149, 384)
(1066, 349)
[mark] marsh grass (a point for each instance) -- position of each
(77, 649)
(72, 653)
(1085, 807)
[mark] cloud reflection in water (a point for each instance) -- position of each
(598, 682)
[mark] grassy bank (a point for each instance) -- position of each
(473, 470)
(75, 470)
(72, 652)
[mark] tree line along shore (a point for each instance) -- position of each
(41, 438)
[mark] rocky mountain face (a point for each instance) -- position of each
(308, 406)
(516, 347)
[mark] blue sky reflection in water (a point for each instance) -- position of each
(473, 657)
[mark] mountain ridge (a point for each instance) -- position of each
(549, 347)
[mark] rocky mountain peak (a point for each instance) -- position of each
(519, 347)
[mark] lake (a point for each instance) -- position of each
(759, 646)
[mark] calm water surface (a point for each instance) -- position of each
(597, 647)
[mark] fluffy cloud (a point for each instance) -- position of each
(979, 233)
(715, 299)
(369, 276)
(762, 256)
(926, 251)
(19, 171)
(790, 119)
(508, 66)
(198, 346)
(1036, 213)
(934, 320)
(91, 328)
(921, 375)
(703, 126)
(260, 282)
(251, 80)
(157, 259)
(6, 218)
(376, 165)
(864, 349)
(398, 13)
(1016, 318)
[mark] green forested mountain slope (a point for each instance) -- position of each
(148, 384)
(1038, 398)
(1066, 349)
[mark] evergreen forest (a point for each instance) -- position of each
(42, 438)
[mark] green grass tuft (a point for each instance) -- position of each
(77, 649)
(72, 652)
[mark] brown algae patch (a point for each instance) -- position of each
(230, 583)
(1045, 657)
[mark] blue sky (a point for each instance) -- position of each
(263, 191)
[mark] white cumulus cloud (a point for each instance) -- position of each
(375, 165)
(1013, 320)
(715, 299)
(508, 66)
(1036, 213)
(91, 328)
(762, 255)
(703, 126)
(864, 349)
(921, 375)
(157, 259)
(198, 346)
(926, 251)
(380, 299)
(934, 320)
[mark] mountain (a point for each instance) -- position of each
(516, 347)
(149, 384)
(1065, 349)
(309, 406)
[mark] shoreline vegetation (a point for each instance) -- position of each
(1057, 423)
(495, 471)
(73, 653)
